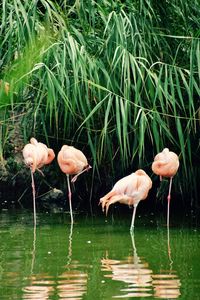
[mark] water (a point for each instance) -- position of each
(96, 259)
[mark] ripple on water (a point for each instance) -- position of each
(71, 284)
(140, 280)
(133, 272)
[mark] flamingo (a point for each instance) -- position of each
(166, 164)
(72, 161)
(36, 155)
(128, 190)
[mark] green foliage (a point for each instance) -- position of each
(120, 77)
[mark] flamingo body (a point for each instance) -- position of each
(128, 190)
(36, 155)
(166, 163)
(71, 160)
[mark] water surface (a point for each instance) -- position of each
(96, 259)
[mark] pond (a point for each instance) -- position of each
(96, 258)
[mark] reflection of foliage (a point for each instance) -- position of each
(118, 76)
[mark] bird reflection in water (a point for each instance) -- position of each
(140, 279)
(71, 284)
(42, 287)
(133, 271)
(167, 284)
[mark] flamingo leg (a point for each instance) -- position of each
(169, 248)
(34, 205)
(40, 172)
(133, 217)
(136, 259)
(168, 200)
(76, 176)
(34, 248)
(70, 198)
(70, 245)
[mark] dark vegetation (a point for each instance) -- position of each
(117, 79)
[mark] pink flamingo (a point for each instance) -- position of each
(166, 164)
(72, 162)
(129, 190)
(36, 155)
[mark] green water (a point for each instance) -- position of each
(96, 259)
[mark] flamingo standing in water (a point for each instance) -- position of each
(128, 190)
(72, 162)
(36, 155)
(166, 164)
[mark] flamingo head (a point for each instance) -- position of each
(30, 163)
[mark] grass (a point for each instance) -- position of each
(119, 80)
